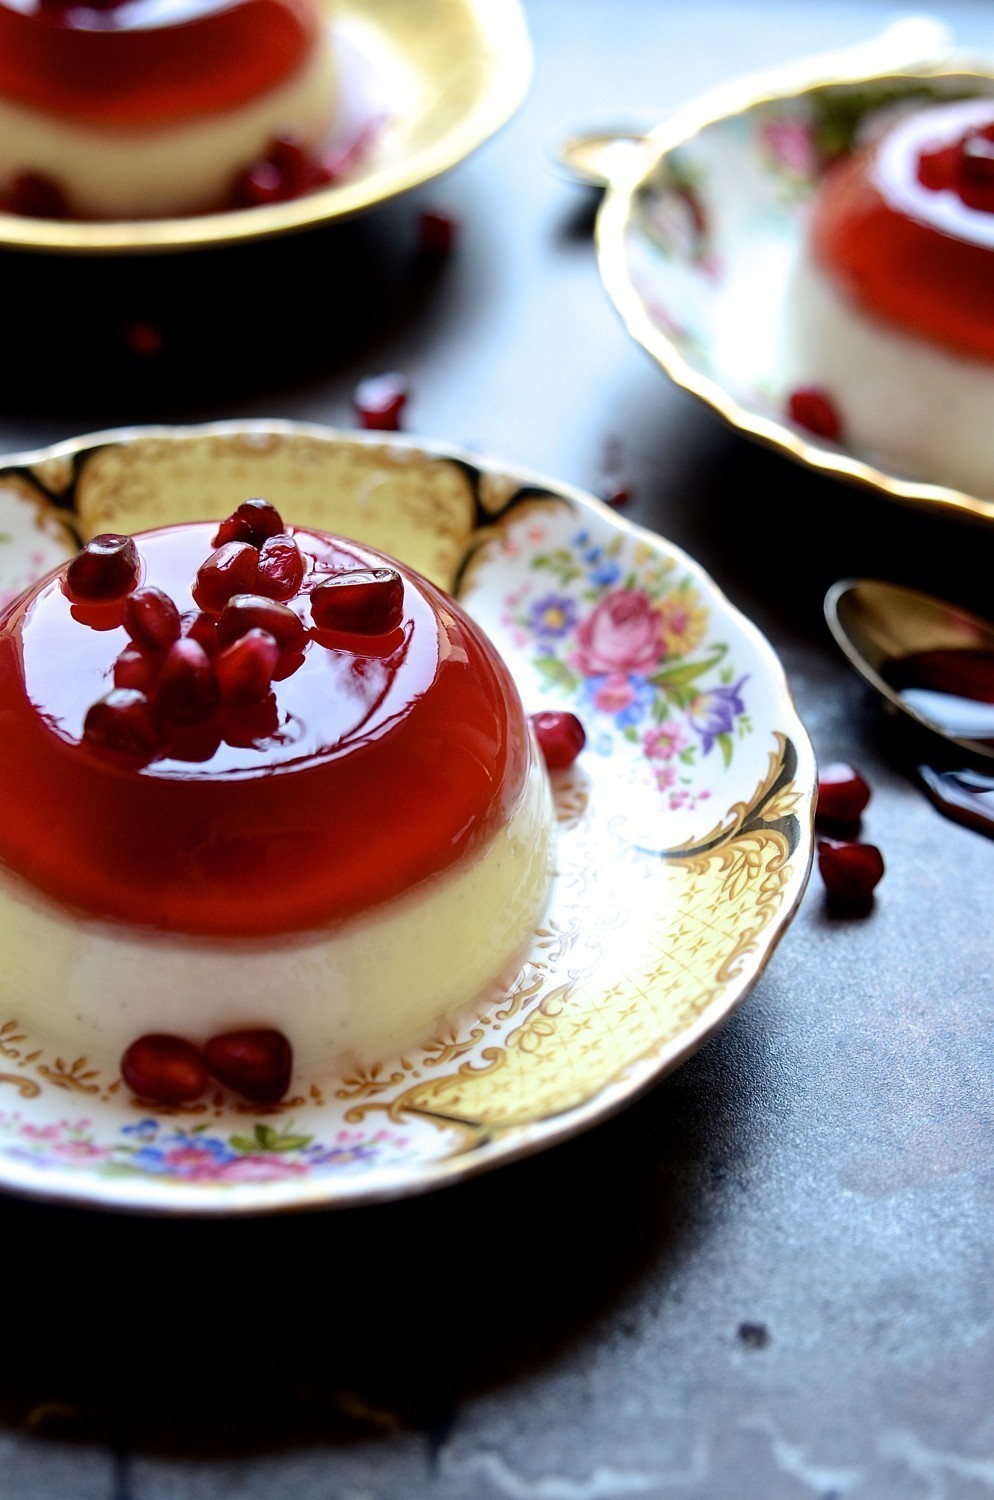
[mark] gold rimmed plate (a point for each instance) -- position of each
(684, 830)
(423, 86)
(697, 241)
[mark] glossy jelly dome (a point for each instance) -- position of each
(905, 226)
(368, 764)
(149, 62)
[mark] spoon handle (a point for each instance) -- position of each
(966, 796)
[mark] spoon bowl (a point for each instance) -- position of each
(916, 650)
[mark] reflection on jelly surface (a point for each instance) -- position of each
(915, 255)
(146, 61)
(371, 766)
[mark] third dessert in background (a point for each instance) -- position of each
(888, 332)
(128, 109)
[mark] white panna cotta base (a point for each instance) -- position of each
(357, 993)
(905, 404)
(134, 173)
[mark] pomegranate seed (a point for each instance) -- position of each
(851, 870)
(36, 197)
(151, 619)
(195, 743)
(165, 1069)
(202, 628)
(255, 1063)
(134, 668)
(362, 601)
(281, 567)
(812, 409)
(436, 235)
(105, 569)
(255, 612)
(254, 521)
(252, 724)
(230, 569)
(245, 668)
(379, 402)
(143, 339)
(258, 184)
(842, 793)
(293, 161)
(124, 724)
(937, 169)
(560, 737)
(187, 692)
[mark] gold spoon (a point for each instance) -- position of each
(916, 650)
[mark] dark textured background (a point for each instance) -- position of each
(771, 1278)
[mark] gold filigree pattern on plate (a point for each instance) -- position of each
(577, 1036)
(418, 507)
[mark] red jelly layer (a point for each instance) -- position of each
(134, 64)
(375, 764)
(916, 256)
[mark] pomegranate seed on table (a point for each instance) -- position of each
(152, 619)
(245, 612)
(253, 521)
(244, 670)
(187, 690)
(164, 1069)
(851, 870)
(104, 570)
(143, 339)
(842, 794)
(436, 234)
(560, 735)
(230, 569)
(257, 1063)
(124, 724)
(379, 401)
(281, 567)
(814, 410)
(360, 601)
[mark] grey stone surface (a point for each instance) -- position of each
(771, 1277)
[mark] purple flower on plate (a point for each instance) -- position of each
(552, 616)
(714, 712)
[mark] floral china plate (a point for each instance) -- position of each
(696, 242)
(422, 87)
(684, 828)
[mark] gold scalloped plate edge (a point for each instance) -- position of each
(499, 43)
(725, 858)
(719, 105)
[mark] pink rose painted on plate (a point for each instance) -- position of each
(623, 634)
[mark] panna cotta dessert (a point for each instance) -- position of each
(262, 782)
(131, 109)
(888, 328)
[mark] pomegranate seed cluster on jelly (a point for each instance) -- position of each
(181, 670)
(269, 781)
